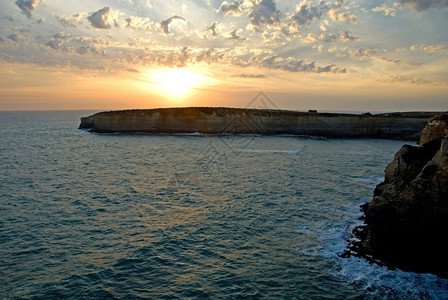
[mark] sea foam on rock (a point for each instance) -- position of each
(406, 223)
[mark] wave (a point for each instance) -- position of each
(190, 134)
(294, 151)
(372, 280)
(369, 180)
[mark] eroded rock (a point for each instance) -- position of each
(406, 222)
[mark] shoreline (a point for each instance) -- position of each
(220, 120)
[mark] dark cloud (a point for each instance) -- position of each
(229, 9)
(385, 59)
(64, 43)
(27, 6)
(15, 37)
(165, 24)
(346, 36)
(264, 13)
(292, 64)
(234, 35)
(307, 12)
(102, 18)
(422, 5)
(250, 75)
(213, 28)
(13, 40)
(324, 37)
(411, 80)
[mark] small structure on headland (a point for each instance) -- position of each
(220, 120)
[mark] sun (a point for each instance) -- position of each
(177, 82)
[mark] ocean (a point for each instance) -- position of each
(138, 216)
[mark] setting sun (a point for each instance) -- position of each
(177, 83)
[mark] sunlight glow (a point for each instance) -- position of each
(177, 83)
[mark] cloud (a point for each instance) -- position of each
(431, 49)
(422, 5)
(213, 28)
(387, 10)
(27, 6)
(231, 9)
(238, 56)
(292, 64)
(57, 41)
(254, 76)
(103, 18)
(85, 46)
(324, 37)
(70, 21)
(12, 40)
(410, 80)
(264, 13)
(306, 12)
(261, 12)
(346, 36)
(347, 16)
(138, 23)
(368, 54)
(362, 53)
(15, 37)
(388, 60)
(235, 35)
(165, 24)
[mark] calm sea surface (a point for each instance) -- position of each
(95, 216)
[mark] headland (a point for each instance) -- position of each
(406, 222)
(221, 120)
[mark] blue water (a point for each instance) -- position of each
(96, 216)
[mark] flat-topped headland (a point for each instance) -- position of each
(220, 120)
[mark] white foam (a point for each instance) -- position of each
(369, 180)
(372, 279)
(294, 151)
(190, 134)
(381, 282)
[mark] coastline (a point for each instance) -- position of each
(220, 120)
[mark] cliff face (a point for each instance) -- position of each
(407, 221)
(257, 121)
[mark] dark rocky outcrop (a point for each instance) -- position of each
(406, 223)
(218, 120)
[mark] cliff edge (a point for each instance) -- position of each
(221, 120)
(406, 223)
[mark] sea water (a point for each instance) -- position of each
(134, 216)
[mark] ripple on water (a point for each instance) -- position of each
(165, 217)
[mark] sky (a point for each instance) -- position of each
(339, 55)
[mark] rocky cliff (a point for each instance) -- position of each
(216, 120)
(406, 223)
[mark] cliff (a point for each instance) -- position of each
(216, 120)
(406, 222)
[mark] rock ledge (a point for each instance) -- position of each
(406, 223)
